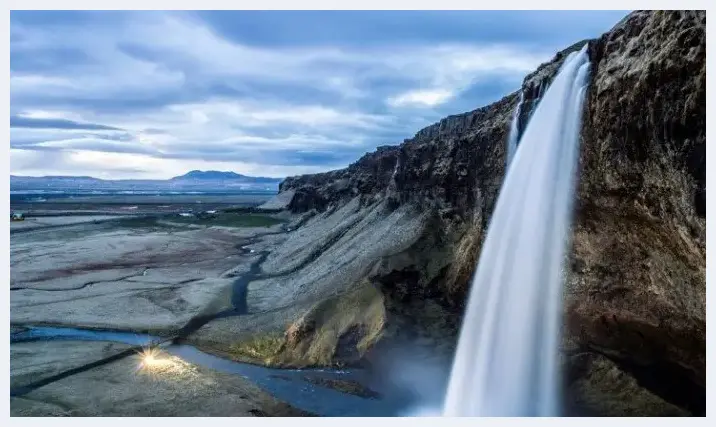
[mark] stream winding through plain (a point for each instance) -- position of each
(288, 385)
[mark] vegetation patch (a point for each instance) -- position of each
(337, 331)
(261, 349)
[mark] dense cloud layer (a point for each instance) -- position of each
(154, 94)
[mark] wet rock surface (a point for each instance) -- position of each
(597, 386)
(637, 291)
(345, 386)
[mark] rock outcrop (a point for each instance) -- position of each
(635, 295)
(637, 288)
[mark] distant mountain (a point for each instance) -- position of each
(195, 181)
(197, 175)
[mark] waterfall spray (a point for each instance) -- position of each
(506, 362)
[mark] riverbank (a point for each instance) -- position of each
(120, 389)
(129, 274)
(47, 359)
(118, 279)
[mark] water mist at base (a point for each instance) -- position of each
(506, 362)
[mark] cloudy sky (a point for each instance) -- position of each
(156, 94)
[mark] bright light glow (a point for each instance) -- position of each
(149, 360)
(155, 362)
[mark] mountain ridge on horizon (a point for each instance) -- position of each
(195, 180)
(193, 175)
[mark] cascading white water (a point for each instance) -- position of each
(513, 137)
(506, 362)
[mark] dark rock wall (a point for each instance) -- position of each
(369, 175)
(637, 289)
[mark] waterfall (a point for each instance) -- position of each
(514, 131)
(506, 362)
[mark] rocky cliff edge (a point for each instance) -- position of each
(407, 221)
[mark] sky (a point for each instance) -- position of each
(152, 94)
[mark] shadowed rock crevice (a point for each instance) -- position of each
(596, 385)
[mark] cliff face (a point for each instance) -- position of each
(637, 289)
(369, 175)
(635, 295)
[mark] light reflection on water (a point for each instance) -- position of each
(288, 385)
